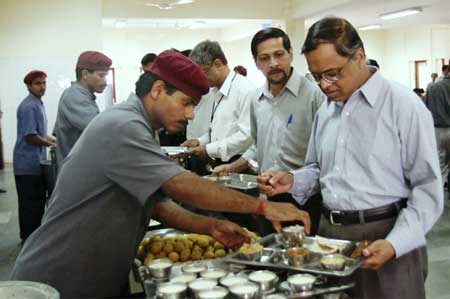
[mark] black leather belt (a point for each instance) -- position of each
(363, 216)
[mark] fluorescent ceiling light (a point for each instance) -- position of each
(400, 13)
(369, 27)
(121, 24)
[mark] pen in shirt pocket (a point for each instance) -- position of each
(289, 120)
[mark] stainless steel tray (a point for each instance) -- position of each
(320, 290)
(273, 257)
(175, 150)
(236, 181)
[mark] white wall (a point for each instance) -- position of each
(395, 49)
(42, 35)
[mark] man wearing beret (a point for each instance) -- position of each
(77, 106)
(117, 177)
(29, 151)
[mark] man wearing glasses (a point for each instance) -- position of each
(372, 154)
(281, 115)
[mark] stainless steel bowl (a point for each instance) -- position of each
(183, 278)
(247, 290)
(297, 256)
(335, 262)
(201, 284)
(194, 268)
(255, 256)
(301, 282)
(171, 290)
(231, 280)
(160, 268)
(293, 235)
(27, 289)
(213, 273)
(214, 293)
(266, 280)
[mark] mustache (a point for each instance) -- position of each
(275, 71)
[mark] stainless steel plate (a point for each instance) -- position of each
(236, 181)
(273, 257)
(26, 290)
(174, 150)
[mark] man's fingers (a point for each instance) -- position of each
(277, 226)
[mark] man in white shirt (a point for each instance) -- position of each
(228, 137)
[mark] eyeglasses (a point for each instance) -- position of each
(331, 76)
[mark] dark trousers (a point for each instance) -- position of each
(403, 277)
(31, 195)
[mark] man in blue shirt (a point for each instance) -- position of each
(28, 152)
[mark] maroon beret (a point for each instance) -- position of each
(33, 75)
(184, 74)
(93, 60)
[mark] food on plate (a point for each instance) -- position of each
(357, 253)
(327, 246)
(297, 252)
(251, 248)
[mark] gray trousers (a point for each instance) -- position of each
(403, 277)
(443, 145)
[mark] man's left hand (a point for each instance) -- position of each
(229, 234)
(199, 151)
(377, 254)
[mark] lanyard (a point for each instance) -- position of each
(215, 106)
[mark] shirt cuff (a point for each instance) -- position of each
(405, 239)
(300, 190)
(213, 150)
(204, 139)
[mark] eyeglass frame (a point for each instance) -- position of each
(321, 76)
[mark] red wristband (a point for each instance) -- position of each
(260, 208)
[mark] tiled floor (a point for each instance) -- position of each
(438, 282)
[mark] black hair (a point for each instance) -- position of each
(445, 68)
(336, 31)
(78, 72)
(148, 58)
(186, 52)
(145, 83)
(373, 62)
(268, 33)
(419, 90)
(206, 52)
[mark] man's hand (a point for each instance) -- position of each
(229, 234)
(282, 211)
(223, 169)
(377, 254)
(51, 140)
(275, 182)
(191, 143)
(199, 151)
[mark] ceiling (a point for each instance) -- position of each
(219, 13)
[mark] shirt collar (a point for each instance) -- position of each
(84, 90)
(32, 96)
(134, 100)
(226, 86)
(292, 85)
(369, 90)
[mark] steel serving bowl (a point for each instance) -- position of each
(265, 279)
(213, 293)
(334, 262)
(301, 282)
(247, 290)
(171, 290)
(160, 268)
(297, 256)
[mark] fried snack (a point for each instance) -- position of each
(220, 253)
(357, 253)
(156, 247)
(168, 248)
(251, 248)
(297, 252)
(148, 259)
(185, 255)
(173, 256)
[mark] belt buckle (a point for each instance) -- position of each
(332, 218)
